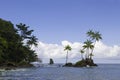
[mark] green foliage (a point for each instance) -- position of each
(26, 35)
(81, 63)
(85, 63)
(22, 63)
(67, 48)
(94, 36)
(89, 45)
(12, 46)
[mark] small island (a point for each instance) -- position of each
(86, 51)
(81, 63)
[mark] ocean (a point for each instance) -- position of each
(102, 72)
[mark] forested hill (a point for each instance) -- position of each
(15, 42)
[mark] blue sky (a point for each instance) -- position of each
(57, 20)
(54, 21)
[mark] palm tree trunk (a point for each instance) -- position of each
(87, 53)
(67, 57)
(92, 50)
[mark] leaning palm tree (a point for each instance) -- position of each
(67, 48)
(96, 36)
(88, 45)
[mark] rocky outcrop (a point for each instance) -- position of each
(81, 63)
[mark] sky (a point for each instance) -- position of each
(59, 22)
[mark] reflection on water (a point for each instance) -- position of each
(102, 72)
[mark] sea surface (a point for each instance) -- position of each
(102, 72)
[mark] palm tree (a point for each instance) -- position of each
(24, 32)
(90, 33)
(97, 36)
(32, 41)
(68, 48)
(82, 52)
(26, 35)
(94, 36)
(88, 45)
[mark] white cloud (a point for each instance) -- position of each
(57, 52)
(104, 51)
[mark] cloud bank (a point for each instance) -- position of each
(55, 51)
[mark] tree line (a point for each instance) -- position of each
(15, 43)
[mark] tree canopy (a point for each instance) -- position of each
(13, 48)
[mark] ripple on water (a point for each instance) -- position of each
(103, 72)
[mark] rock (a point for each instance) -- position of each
(85, 63)
(68, 65)
(81, 63)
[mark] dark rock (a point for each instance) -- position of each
(68, 65)
(85, 63)
(81, 63)
(51, 61)
(10, 64)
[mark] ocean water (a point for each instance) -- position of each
(102, 72)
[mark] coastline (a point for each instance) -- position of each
(4, 67)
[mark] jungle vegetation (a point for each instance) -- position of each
(15, 43)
